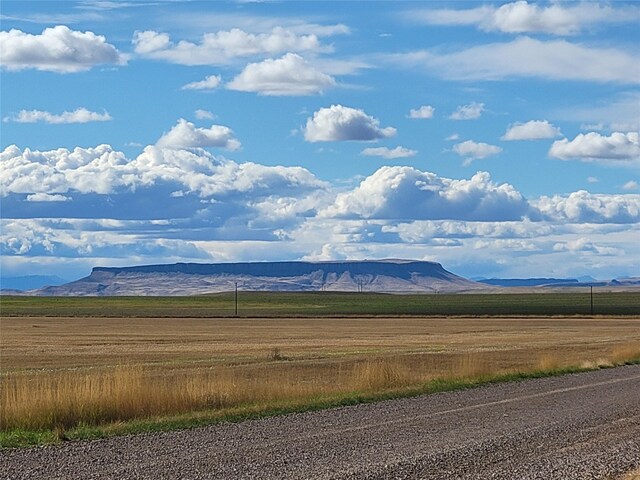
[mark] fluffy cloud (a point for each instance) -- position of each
(583, 244)
(186, 135)
(97, 170)
(222, 47)
(58, 49)
(468, 112)
(243, 212)
(631, 185)
(102, 170)
(618, 147)
(523, 17)
(423, 230)
(527, 57)
(209, 83)
(532, 130)
(339, 123)
(385, 152)
(204, 114)
(46, 197)
(288, 75)
(69, 239)
(471, 150)
(408, 193)
(79, 115)
(425, 111)
(585, 207)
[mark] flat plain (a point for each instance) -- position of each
(568, 301)
(62, 343)
(84, 375)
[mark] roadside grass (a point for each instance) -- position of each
(50, 407)
(327, 304)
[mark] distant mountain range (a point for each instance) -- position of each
(391, 276)
(559, 282)
(528, 282)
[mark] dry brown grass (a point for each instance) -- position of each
(64, 399)
(60, 342)
(635, 475)
(108, 370)
(382, 374)
(548, 361)
(627, 351)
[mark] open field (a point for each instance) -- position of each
(84, 342)
(316, 304)
(59, 373)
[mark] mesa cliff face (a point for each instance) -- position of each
(393, 276)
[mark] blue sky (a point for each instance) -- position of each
(500, 139)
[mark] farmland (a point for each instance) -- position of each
(74, 367)
(321, 304)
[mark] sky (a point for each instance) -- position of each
(499, 139)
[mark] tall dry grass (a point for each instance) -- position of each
(63, 399)
(634, 475)
(66, 398)
(382, 374)
(625, 352)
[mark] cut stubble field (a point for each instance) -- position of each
(83, 376)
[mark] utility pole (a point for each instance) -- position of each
(236, 299)
(591, 287)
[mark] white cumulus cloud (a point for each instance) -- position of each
(385, 152)
(468, 112)
(186, 135)
(425, 111)
(220, 48)
(57, 49)
(407, 193)
(532, 130)
(586, 207)
(471, 150)
(79, 115)
(209, 83)
(339, 123)
(204, 114)
(103, 170)
(631, 185)
(524, 17)
(46, 197)
(619, 148)
(288, 75)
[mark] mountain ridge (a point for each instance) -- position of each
(386, 275)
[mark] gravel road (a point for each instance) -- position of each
(583, 426)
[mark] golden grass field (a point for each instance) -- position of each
(58, 372)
